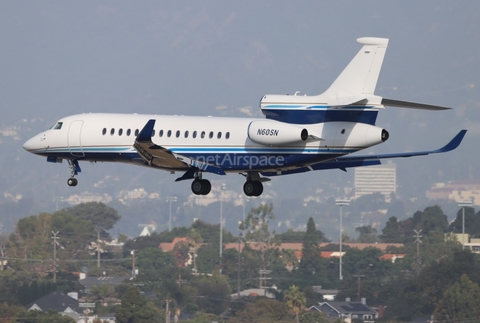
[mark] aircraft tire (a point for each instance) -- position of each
(197, 187)
(249, 188)
(206, 186)
(72, 181)
(258, 188)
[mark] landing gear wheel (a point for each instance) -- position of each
(207, 187)
(72, 181)
(197, 187)
(201, 187)
(253, 188)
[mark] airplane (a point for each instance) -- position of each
(300, 133)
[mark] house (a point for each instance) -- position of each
(59, 302)
(347, 311)
(89, 282)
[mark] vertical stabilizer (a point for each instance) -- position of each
(359, 78)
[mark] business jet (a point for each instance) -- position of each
(299, 133)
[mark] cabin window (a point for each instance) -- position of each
(153, 132)
(186, 134)
(169, 133)
(160, 133)
(178, 133)
(104, 131)
(210, 135)
(136, 132)
(227, 135)
(219, 135)
(194, 135)
(203, 134)
(112, 131)
(129, 132)
(120, 131)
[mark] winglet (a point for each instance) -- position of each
(454, 143)
(147, 131)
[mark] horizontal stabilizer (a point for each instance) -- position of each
(412, 105)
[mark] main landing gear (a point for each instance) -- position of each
(201, 186)
(253, 186)
(74, 169)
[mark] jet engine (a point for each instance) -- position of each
(269, 133)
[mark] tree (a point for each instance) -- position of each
(41, 317)
(391, 233)
(472, 222)
(368, 234)
(98, 213)
(256, 225)
(311, 265)
(431, 219)
(194, 240)
(460, 303)
(295, 300)
(135, 309)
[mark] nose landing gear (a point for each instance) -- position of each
(74, 170)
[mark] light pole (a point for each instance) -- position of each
(170, 199)
(341, 203)
(223, 187)
(464, 204)
(245, 200)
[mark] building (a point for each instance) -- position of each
(376, 179)
(457, 191)
(58, 302)
(347, 311)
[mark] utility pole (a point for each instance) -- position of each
(55, 243)
(167, 313)
(133, 262)
(418, 242)
(358, 288)
(98, 248)
(238, 267)
(170, 199)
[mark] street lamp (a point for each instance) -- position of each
(464, 204)
(223, 187)
(341, 203)
(170, 199)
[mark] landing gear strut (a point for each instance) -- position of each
(201, 186)
(74, 169)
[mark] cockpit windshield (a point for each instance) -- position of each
(57, 126)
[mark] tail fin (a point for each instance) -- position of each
(359, 78)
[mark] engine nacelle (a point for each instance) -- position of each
(269, 133)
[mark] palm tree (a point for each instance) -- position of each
(295, 300)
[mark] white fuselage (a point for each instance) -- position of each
(223, 142)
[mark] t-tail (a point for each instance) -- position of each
(351, 97)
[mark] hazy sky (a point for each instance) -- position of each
(220, 57)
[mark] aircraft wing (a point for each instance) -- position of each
(153, 154)
(162, 157)
(368, 160)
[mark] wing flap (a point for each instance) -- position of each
(153, 154)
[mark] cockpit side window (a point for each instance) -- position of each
(57, 126)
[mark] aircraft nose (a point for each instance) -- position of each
(34, 143)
